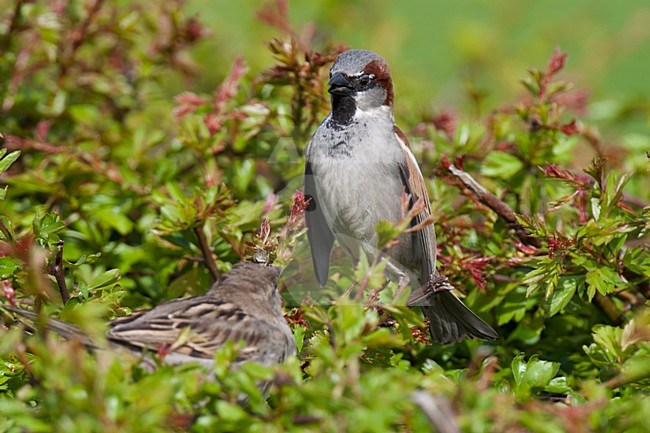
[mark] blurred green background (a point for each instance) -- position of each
(439, 49)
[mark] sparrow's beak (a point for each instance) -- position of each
(340, 85)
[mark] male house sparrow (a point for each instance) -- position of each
(358, 164)
(244, 306)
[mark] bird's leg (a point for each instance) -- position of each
(436, 284)
(439, 284)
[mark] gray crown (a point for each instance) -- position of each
(353, 62)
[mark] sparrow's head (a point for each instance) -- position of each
(364, 77)
(252, 281)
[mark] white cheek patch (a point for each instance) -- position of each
(383, 111)
(368, 99)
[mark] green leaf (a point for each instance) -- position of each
(8, 160)
(635, 369)
(58, 103)
(531, 86)
(544, 277)
(8, 266)
(595, 208)
(539, 373)
(527, 331)
(244, 171)
(609, 338)
(230, 412)
(532, 375)
(10, 229)
(518, 367)
(105, 279)
(189, 282)
(10, 340)
(374, 275)
(601, 279)
(386, 232)
(299, 333)
(85, 259)
(514, 305)
(47, 227)
(85, 113)
(562, 295)
(501, 164)
(558, 385)
(114, 219)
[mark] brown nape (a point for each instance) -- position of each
(382, 76)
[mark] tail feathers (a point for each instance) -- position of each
(450, 321)
(65, 330)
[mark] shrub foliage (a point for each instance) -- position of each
(118, 196)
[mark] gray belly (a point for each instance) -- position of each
(354, 198)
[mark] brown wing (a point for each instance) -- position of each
(449, 319)
(64, 329)
(425, 239)
(195, 327)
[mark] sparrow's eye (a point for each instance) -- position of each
(364, 80)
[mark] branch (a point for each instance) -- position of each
(13, 25)
(606, 305)
(207, 253)
(76, 37)
(634, 201)
(438, 410)
(57, 271)
(629, 298)
(501, 208)
(13, 142)
(645, 289)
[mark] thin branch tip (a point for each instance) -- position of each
(207, 253)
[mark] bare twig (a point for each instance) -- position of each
(634, 201)
(504, 278)
(305, 419)
(608, 307)
(16, 143)
(76, 37)
(438, 410)
(501, 208)
(644, 288)
(56, 270)
(13, 25)
(629, 298)
(207, 254)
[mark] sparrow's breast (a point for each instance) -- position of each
(356, 172)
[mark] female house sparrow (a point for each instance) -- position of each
(244, 306)
(358, 164)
